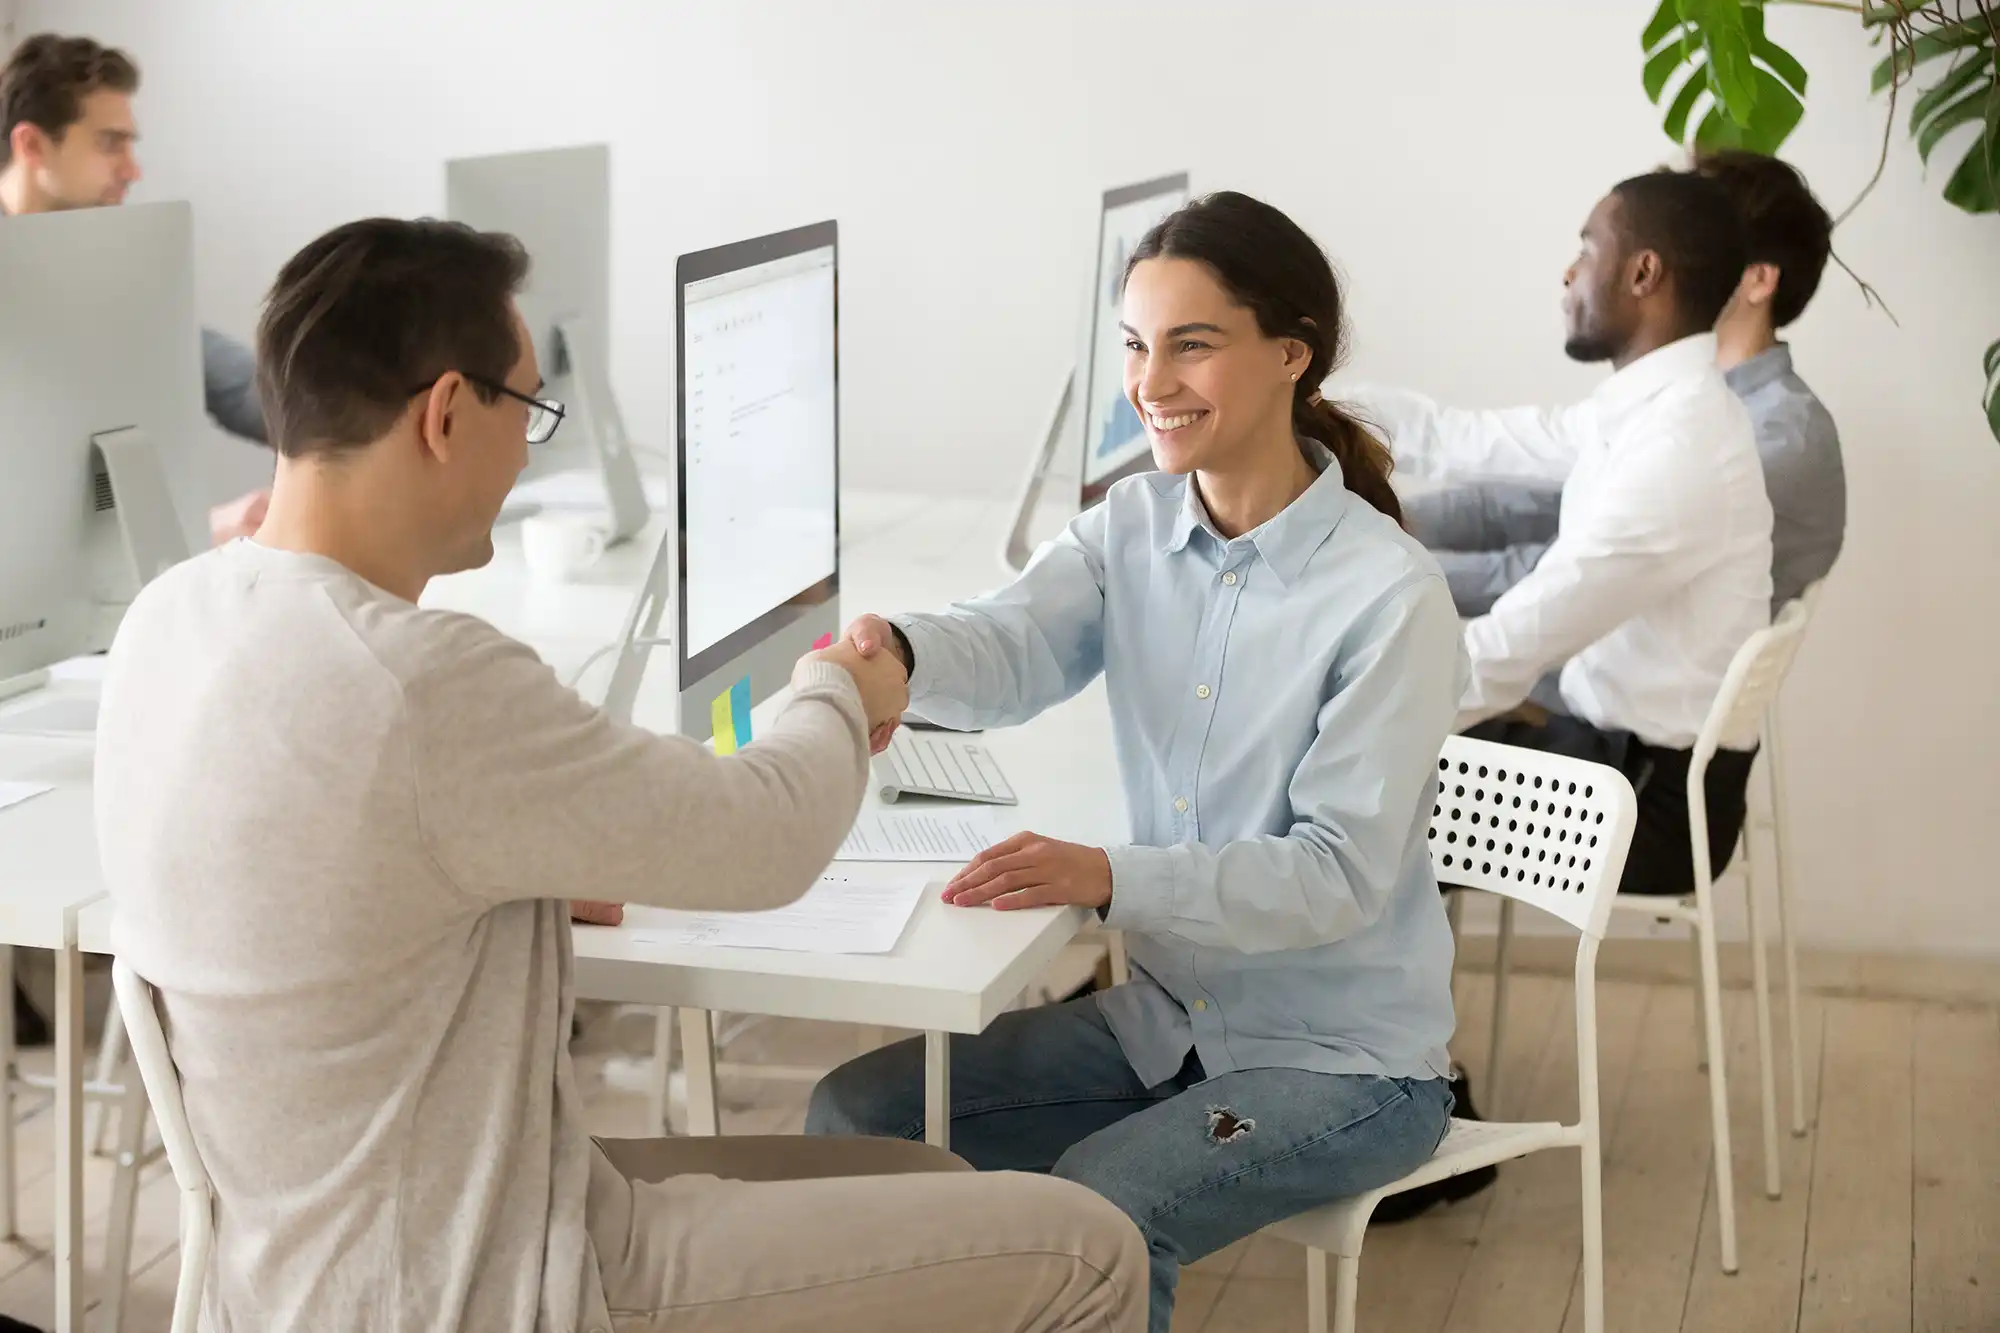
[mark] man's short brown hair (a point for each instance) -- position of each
(370, 314)
(1783, 224)
(45, 81)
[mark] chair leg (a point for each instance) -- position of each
(110, 1055)
(1346, 1292)
(1593, 1237)
(1709, 987)
(1699, 992)
(1781, 865)
(1767, 1090)
(1503, 948)
(124, 1196)
(1315, 1290)
(659, 1094)
(9, 1213)
(704, 1115)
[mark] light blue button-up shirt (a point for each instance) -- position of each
(1278, 703)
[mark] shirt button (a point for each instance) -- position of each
(1229, 579)
(1201, 1006)
(1180, 804)
(1202, 691)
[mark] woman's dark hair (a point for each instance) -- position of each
(1271, 268)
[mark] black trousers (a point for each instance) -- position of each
(1661, 861)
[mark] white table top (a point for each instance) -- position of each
(48, 844)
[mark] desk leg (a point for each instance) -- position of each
(70, 1292)
(704, 1115)
(937, 1089)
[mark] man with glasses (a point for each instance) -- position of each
(339, 827)
(68, 140)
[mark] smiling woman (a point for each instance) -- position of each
(1291, 998)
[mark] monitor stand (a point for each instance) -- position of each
(135, 532)
(595, 411)
(642, 635)
(1018, 548)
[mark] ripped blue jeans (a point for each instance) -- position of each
(1197, 1162)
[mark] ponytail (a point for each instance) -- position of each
(1365, 462)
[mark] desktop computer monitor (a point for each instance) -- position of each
(100, 415)
(754, 561)
(557, 202)
(1114, 442)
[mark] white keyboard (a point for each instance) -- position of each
(928, 764)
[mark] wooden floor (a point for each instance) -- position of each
(1890, 1218)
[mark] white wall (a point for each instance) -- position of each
(1445, 154)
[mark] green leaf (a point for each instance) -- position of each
(1947, 90)
(1732, 74)
(1971, 185)
(1929, 46)
(1661, 68)
(1993, 389)
(1782, 62)
(1677, 114)
(1664, 21)
(1992, 142)
(1778, 114)
(1965, 111)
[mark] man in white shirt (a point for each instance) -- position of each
(339, 828)
(1661, 564)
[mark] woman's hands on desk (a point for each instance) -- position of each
(1028, 870)
(884, 686)
(596, 914)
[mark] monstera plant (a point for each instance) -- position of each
(1714, 57)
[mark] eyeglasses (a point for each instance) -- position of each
(544, 414)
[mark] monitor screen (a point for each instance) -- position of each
(1114, 443)
(759, 470)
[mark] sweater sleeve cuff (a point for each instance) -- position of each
(813, 679)
(1142, 889)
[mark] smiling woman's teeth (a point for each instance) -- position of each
(1175, 423)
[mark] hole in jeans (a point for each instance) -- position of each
(1225, 1126)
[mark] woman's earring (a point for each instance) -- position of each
(1295, 377)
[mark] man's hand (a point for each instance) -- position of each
(1028, 870)
(871, 635)
(884, 686)
(241, 517)
(597, 914)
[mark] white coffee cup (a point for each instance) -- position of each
(557, 548)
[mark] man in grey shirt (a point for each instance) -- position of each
(1487, 537)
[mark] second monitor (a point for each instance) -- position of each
(755, 551)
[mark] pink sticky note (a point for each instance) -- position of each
(823, 641)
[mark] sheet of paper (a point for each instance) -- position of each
(842, 913)
(13, 793)
(921, 835)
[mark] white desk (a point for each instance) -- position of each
(48, 874)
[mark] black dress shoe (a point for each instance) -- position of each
(1411, 1203)
(16, 1326)
(30, 1029)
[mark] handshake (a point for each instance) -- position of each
(869, 653)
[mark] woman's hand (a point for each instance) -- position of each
(1028, 870)
(596, 914)
(871, 635)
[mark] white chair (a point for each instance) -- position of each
(1740, 712)
(163, 1088)
(1552, 832)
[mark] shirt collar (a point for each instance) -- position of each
(1286, 541)
(1635, 384)
(1752, 375)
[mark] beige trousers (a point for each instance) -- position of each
(823, 1235)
